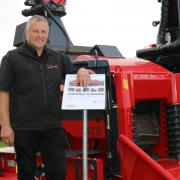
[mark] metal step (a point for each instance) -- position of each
(75, 153)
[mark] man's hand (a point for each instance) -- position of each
(7, 135)
(83, 77)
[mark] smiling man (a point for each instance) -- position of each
(30, 79)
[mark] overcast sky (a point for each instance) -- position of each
(126, 24)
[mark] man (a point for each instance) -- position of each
(30, 79)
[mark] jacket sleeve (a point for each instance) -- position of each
(68, 67)
(6, 73)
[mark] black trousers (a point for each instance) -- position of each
(50, 144)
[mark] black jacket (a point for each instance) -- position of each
(33, 83)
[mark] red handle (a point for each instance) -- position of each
(57, 2)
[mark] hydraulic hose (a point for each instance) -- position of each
(163, 23)
(59, 25)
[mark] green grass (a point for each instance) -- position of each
(2, 144)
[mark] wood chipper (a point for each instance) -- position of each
(137, 135)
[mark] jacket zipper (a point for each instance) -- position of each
(42, 70)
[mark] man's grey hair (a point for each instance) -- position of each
(35, 18)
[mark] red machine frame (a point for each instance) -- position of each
(133, 81)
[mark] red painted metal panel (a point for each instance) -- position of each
(74, 170)
(8, 176)
(138, 165)
(57, 2)
(95, 169)
(128, 65)
(125, 102)
(96, 129)
(175, 88)
(152, 86)
(173, 166)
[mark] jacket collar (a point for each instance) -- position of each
(29, 50)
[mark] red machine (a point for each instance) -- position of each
(137, 136)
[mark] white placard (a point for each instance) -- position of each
(76, 97)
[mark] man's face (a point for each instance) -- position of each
(37, 34)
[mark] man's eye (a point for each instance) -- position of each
(44, 32)
(35, 31)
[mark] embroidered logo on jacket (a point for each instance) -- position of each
(51, 66)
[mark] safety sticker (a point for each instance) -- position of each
(125, 83)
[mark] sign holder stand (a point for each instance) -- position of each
(71, 97)
(85, 145)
